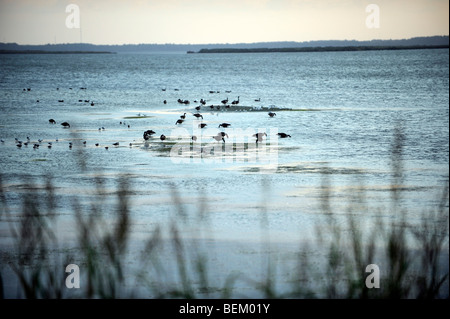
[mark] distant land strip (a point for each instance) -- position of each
(320, 49)
(52, 52)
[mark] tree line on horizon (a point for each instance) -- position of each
(172, 47)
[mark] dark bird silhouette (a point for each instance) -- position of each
(259, 136)
(162, 137)
(258, 100)
(202, 125)
(283, 135)
(116, 144)
(165, 102)
(194, 138)
(225, 101)
(272, 114)
(198, 108)
(148, 133)
(220, 136)
(183, 116)
(52, 121)
(224, 125)
(198, 115)
(179, 121)
(235, 102)
(65, 124)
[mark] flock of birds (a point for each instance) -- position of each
(148, 134)
(221, 135)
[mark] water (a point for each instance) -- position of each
(340, 108)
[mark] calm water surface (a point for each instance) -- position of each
(341, 110)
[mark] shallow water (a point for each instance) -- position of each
(341, 110)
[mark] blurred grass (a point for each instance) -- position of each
(103, 249)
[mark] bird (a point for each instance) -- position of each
(179, 121)
(165, 101)
(148, 133)
(283, 135)
(224, 125)
(202, 125)
(258, 100)
(220, 136)
(106, 147)
(194, 138)
(183, 116)
(259, 136)
(225, 101)
(162, 137)
(52, 121)
(198, 115)
(272, 114)
(198, 107)
(65, 124)
(116, 144)
(92, 104)
(235, 102)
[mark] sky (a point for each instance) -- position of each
(218, 21)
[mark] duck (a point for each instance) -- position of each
(272, 114)
(259, 136)
(220, 136)
(198, 115)
(202, 125)
(224, 125)
(235, 102)
(148, 133)
(179, 121)
(52, 121)
(183, 116)
(65, 124)
(162, 137)
(283, 135)
(116, 144)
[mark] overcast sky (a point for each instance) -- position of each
(218, 21)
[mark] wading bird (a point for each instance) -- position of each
(259, 136)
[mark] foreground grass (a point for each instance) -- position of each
(410, 254)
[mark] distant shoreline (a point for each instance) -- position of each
(319, 49)
(52, 52)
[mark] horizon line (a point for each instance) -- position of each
(227, 43)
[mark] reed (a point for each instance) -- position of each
(103, 249)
